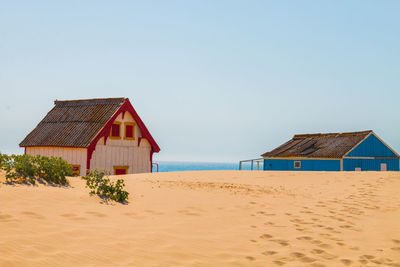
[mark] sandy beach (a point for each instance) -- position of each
(209, 218)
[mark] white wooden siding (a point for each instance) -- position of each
(74, 156)
(120, 152)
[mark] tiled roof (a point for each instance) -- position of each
(73, 123)
(330, 145)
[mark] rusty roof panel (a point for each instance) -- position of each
(73, 123)
(330, 145)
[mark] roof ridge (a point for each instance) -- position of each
(89, 99)
(297, 136)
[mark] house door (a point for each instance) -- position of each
(383, 167)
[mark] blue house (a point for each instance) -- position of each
(353, 151)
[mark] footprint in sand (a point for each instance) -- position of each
(368, 257)
(187, 212)
(323, 254)
(280, 263)
(32, 214)
(363, 261)
(73, 216)
(304, 238)
(266, 236)
(302, 257)
(346, 262)
(325, 235)
(158, 213)
(316, 242)
(281, 242)
(68, 215)
(5, 218)
(324, 245)
(297, 254)
(317, 251)
(250, 258)
(97, 214)
(269, 253)
(306, 211)
(396, 249)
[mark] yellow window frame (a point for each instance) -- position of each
(295, 164)
(120, 167)
(133, 130)
(115, 137)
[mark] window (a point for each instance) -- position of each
(76, 170)
(129, 131)
(297, 164)
(115, 131)
(120, 170)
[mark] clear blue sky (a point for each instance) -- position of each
(212, 80)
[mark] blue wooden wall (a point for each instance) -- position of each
(371, 147)
(370, 164)
(306, 165)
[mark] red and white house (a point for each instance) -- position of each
(104, 134)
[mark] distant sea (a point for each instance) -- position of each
(177, 166)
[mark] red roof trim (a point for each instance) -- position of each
(126, 106)
(57, 146)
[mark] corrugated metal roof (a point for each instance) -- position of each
(329, 145)
(73, 123)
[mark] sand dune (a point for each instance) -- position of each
(216, 218)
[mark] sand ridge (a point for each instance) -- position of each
(211, 218)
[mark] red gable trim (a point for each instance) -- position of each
(126, 106)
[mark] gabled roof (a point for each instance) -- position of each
(329, 145)
(76, 123)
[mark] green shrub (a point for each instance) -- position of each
(21, 168)
(30, 169)
(101, 185)
(53, 169)
(2, 160)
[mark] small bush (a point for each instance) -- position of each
(30, 169)
(53, 170)
(101, 185)
(21, 168)
(2, 160)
